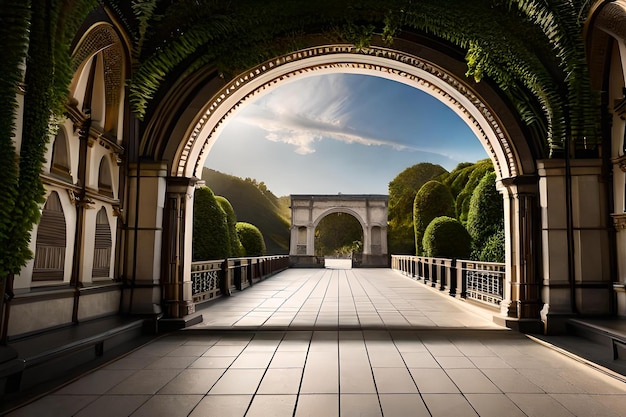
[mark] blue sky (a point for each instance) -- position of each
(340, 133)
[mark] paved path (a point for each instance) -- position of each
(367, 342)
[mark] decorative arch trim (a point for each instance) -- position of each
(379, 61)
(103, 38)
(337, 210)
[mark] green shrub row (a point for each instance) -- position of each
(216, 232)
(460, 215)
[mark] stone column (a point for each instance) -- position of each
(310, 240)
(177, 247)
(576, 256)
(367, 240)
(521, 304)
(144, 236)
(293, 241)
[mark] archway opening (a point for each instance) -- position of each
(338, 235)
(489, 117)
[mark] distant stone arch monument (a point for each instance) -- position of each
(307, 210)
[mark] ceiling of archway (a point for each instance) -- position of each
(532, 50)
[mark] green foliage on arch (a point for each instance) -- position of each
(533, 50)
(38, 33)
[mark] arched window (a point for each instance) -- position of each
(102, 246)
(105, 183)
(60, 166)
(50, 247)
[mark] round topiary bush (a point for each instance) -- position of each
(432, 200)
(236, 248)
(446, 237)
(486, 212)
(251, 238)
(210, 228)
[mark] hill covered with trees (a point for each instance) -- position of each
(254, 203)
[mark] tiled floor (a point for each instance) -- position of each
(340, 343)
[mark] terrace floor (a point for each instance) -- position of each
(341, 342)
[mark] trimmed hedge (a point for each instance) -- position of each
(446, 237)
(251, 238)
(432, 200)
(476, 173)
(493, 251)
(210, 227)
(402, 191)
(486, 213)
(236, 248)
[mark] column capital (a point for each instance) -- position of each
(181, 185)
(521, 184)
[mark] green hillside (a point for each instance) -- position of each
(253, 203)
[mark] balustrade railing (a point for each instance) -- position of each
(207, 279)
(480, 281)
(213, 279)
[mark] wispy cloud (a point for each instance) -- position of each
(312, 110)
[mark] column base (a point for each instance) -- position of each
(171, 324)
(521, 325)
(144, 299)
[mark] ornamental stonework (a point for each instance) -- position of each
(386, 55)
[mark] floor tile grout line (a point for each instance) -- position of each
(393, 340)
(306, 359)
(290, 297)
(380, 405)
(264, 372)
(251, 310)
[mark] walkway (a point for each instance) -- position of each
(367, 342)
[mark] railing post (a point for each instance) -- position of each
(453, 278)
(225, 278)
(433, 272)
(463, 293)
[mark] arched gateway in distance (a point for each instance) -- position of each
(308, 210)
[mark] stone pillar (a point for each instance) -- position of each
(177, 247)
(144, 236)
(293, 241)
(310, 240)
(619, 286)
(576, 256)
(521, 304)
(367, 240)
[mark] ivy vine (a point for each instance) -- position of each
(532, 49)
(42, 34)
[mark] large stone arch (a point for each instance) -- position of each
(188, 152)
(182, 129)
(307, 211)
